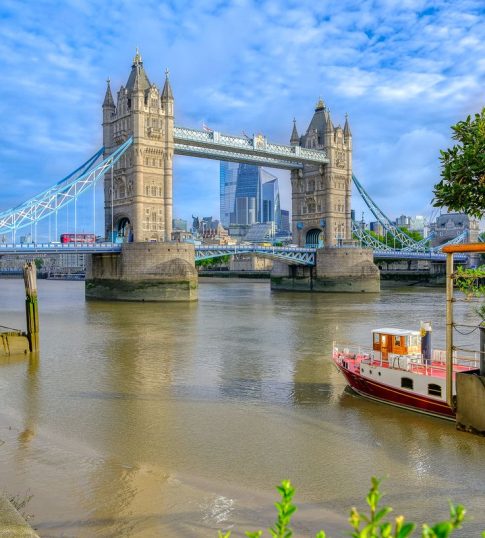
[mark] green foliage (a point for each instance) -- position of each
(471, 282)
(462, 187)
(39, 263)
(213, 262)
(373, 525)
(390, 240)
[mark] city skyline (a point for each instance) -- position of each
(404, 74)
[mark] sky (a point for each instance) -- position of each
(404, 71)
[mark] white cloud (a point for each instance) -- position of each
(404, 71)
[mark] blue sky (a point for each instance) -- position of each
(403, 70)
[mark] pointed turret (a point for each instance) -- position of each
(138, 79)
(167, 89)
(295, 139)
(108, 98)
(347, 132)
(320, 127)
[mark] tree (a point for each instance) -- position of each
(462, 187)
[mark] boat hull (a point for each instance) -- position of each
(395, 396)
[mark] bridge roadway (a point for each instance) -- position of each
(291, 255)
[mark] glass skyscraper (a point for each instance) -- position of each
(248, 194)
(228, 181)
(271, 210)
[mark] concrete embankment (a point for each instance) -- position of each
(12, 524)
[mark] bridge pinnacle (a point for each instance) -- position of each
(137, 60)
(167, 89)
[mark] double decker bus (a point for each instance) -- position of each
(78, 238)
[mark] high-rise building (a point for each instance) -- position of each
(285, 221)
(271, 210)
(248, 194)
(228, 181)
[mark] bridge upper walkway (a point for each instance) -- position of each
(256, 150)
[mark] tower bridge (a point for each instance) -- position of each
(140, 140)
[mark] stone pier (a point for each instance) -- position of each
(337, 270)
(144, 272)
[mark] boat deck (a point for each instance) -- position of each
(409, 363)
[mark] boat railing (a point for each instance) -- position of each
(411, 363)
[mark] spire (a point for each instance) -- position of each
(347, 132)
(137, 60)
(295, 139)
(167, 89)
(320, 105)
(138, 78)
(108, 98)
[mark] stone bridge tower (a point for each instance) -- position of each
(321, 195)
(138, 194)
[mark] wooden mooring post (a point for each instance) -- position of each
(31, 306)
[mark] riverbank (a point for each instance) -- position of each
(147, 500)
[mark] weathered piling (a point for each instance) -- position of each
(31, 306)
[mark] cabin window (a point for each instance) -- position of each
(376, 338)
(434, 390)
(397, 341)
(406, 383)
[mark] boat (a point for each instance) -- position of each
(400, 368)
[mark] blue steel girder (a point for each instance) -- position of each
(290, 255)
(403, 238)
(367, 239)
(256, 150)
(58, 248)
(409, 255)
(62, 193)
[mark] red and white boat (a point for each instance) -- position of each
(401, 369)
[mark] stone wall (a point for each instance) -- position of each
(337, 270)
(470, 402)
(144, 272)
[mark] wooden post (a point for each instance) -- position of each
(449, 329)
(31, 307)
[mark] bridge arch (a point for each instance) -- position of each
(124, 230)
(314, 238)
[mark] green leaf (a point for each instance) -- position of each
(406, 530)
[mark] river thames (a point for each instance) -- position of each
(178, 420)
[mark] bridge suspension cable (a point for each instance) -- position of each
(61, 194)
(400, 236)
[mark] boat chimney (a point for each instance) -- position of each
(426, 341)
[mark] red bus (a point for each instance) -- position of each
(78, 238)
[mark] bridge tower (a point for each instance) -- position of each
(138, 200)
(321, 195)
(322, 218)
(138, 194)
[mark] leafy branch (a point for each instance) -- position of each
(373, 525)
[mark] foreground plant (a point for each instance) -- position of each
(373, 525)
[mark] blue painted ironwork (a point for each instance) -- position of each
(403, 238)
(291, 255)
(62, 193)
(58, 248)
(256, 150)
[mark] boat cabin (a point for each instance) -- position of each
(397, 341)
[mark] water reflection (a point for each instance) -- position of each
(146, 408)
